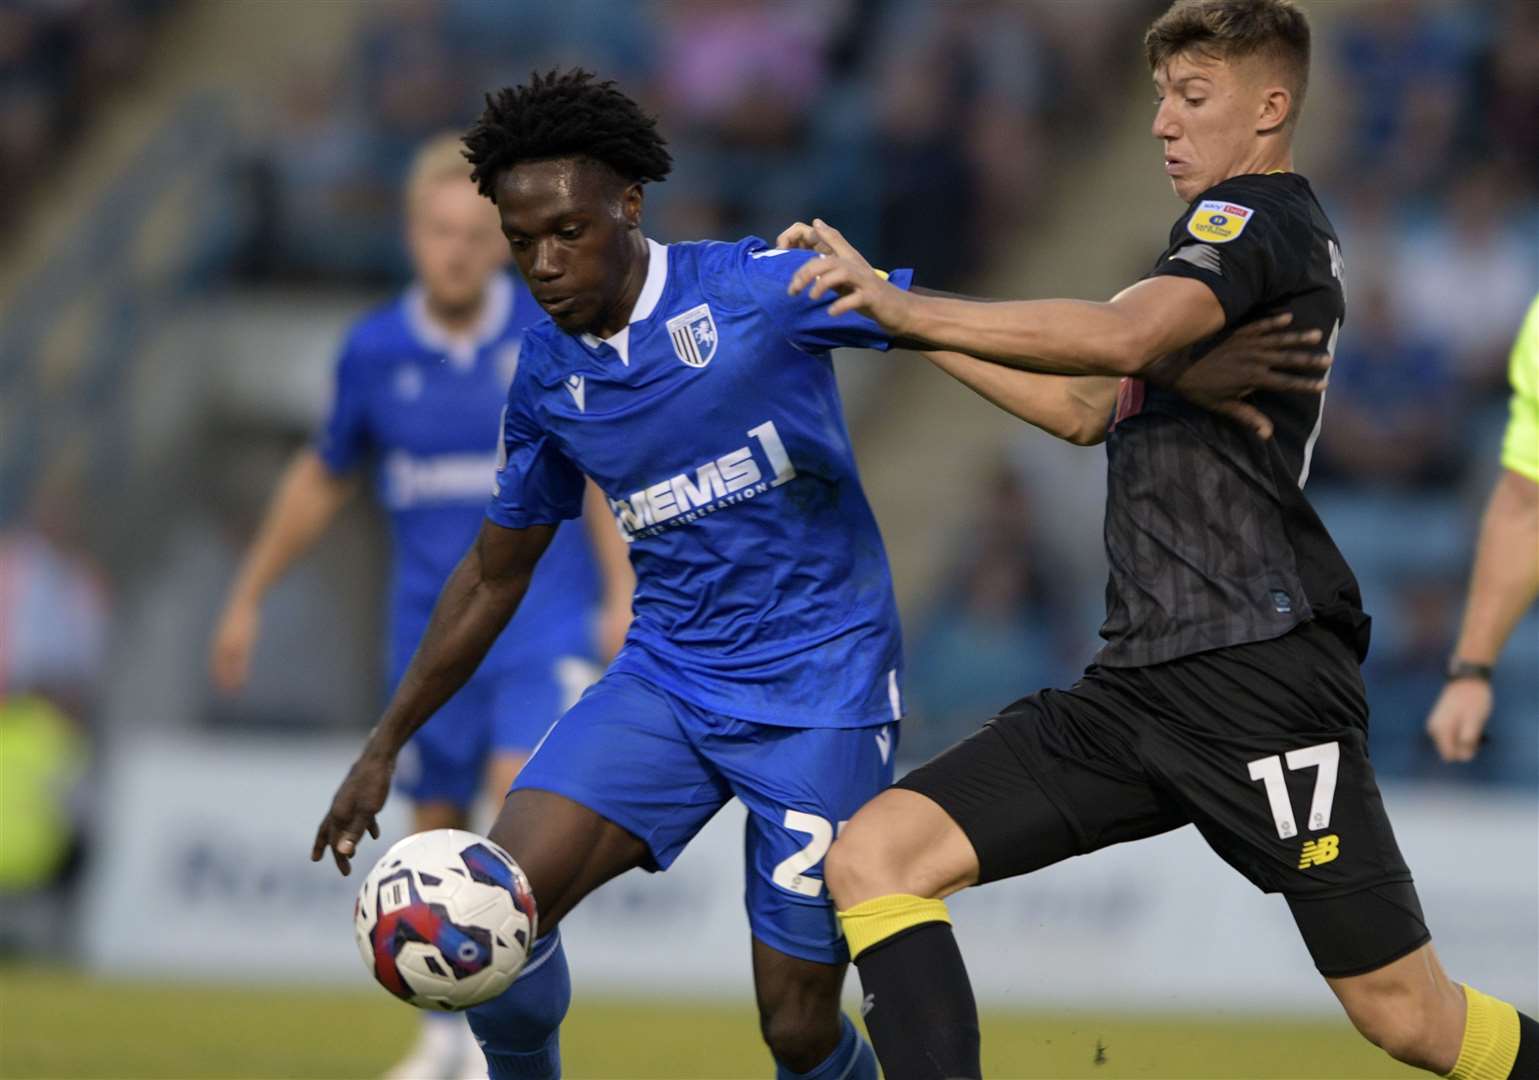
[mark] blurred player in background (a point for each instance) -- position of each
(1505, 579)
(1228, 694)
(419, 388)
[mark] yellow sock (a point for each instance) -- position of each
(1490, 1038)
(874, 921)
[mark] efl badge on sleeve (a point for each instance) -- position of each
(1218, 222)
(694, 336)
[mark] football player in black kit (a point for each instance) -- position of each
(1228, 693)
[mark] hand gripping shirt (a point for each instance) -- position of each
(713, 424)
(422, 412)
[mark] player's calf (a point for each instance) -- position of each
(799, 1015)
(1410, 1009)
(1416, 1014)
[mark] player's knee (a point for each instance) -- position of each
(861, 865)
(800, 1029)
(898, 843)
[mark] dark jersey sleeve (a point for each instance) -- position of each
(1244, 243)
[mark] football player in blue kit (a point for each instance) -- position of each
(419, 389)
(764, 659)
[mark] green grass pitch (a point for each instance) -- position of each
(63, 1025)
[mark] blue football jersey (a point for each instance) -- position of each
(713, 424)
(422, 411)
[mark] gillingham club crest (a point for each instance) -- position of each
(694, 336)
(1218, 222)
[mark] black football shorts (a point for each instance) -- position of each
(1263, 746)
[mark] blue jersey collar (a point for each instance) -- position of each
(461, 349)
(646, 303)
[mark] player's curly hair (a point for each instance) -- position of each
(1235, 29)
(564, 114)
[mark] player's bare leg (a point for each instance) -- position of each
(1414, 1012)
(887, 873)
(899, 842)
(566, 849)
(1410, 1008)
(798, 1000)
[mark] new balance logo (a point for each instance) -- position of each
(867, 1003)
(579, 390)
(1319, 852)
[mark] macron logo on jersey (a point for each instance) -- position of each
(579, 390)
(724, 481)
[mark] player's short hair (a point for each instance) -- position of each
(440, 158)
(1276, 30)
(565, 114)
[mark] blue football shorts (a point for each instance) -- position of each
(502, 712)
(661, 767)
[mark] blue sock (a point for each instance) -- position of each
(852, 1059)
(520, 1030)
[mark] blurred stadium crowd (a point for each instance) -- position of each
(918, 125)
(926, 130)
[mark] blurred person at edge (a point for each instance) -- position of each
(419, 386)
(54, 610)
(1505, 579)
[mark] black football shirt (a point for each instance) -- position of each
(1210, 539)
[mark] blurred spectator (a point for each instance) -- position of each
(1513, 90)
(1467, 279)
(58, 61)
(53, 602)
(42, 759)
(1407, 76)
(1390, 395)
(994, 633)
(53, 631)
(768, 105)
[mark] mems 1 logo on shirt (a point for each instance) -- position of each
(723, 481)
(1218, 222)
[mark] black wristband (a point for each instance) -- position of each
(1467, 669)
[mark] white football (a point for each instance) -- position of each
(445, 920)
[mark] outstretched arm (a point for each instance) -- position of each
(475, 604)
(1122, 336)
(1263, 355)
(306, 501)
